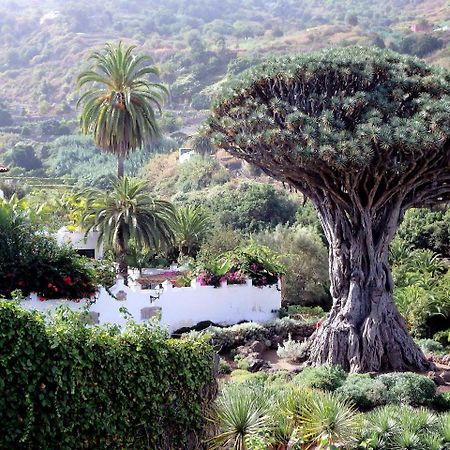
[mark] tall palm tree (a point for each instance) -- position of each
(190, 226)
(119, 105)
(128, 213)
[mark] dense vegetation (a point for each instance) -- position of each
(323, 408)
(31, 261)
(68, 386)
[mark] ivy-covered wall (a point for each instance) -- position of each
(66, 386)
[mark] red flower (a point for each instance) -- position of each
(41, 298)
(318, 324)
(67, 280)
(49, 285)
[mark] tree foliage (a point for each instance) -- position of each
(364, 133)
(128, 213)
(119, 108)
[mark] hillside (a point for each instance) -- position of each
(43, 43)
(197, 44)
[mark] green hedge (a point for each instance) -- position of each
(66, 386)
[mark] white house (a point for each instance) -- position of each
(85, 245)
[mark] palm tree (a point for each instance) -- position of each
(190, 226)
(128, 213)
(119, 106)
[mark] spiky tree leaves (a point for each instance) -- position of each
(191, 224)
(120, 104)
(365, 134)
(128, 213)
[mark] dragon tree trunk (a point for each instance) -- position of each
(363, 332)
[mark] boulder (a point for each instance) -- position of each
(256, 363)
(258, 347)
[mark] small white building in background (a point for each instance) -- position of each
(85, 245)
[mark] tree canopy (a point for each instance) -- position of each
(365, 134)
(362, 121)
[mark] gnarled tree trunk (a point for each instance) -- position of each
(364, 331)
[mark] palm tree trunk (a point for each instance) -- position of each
(120, 166)
(121, 257)
(123, 267)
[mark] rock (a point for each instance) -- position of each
(258, 347)
(436, 378)
(445, 375)
(243, 350)
(255, 363)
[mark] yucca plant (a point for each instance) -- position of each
(119, 106)
(329, 420)
(239, 412)
(397, 427)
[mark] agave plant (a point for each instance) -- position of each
(403, 428)
(238, 413)
(329, 420)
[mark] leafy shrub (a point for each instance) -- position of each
(291, 350)
(363, 391)
(245, 333)
(232, 337)
(305, 258)
(252, 261)
(441, 402)
(303, 312)
(68, 386)
(408, 388)
(33, 262)
(443, 337)
(241, 362)
(423, 282)
(224, 367)
(326, 378)
(426, 229)
(430, 346)
(251, 206)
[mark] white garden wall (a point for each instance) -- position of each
(178, 307)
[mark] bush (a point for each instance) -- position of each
(225, 339)
(326, 378)
(401, 427)
(224, 367)
(291, 350)
(408, 388)
(363, 391)
(30, 261)
(68, 386)
(443, 337)
(430, 346)
(232, 337)
(305, 258)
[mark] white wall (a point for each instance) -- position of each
(180, 307)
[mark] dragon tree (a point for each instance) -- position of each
(365, 135)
